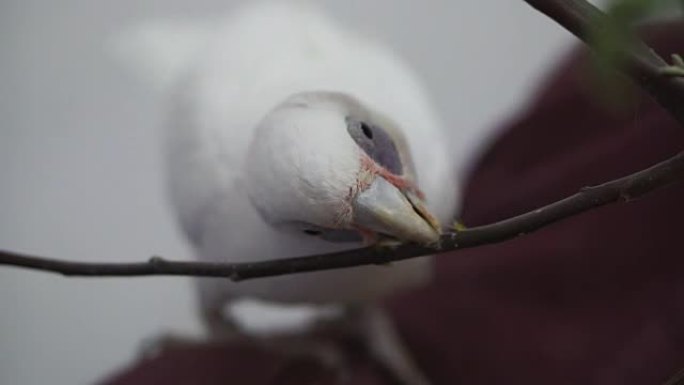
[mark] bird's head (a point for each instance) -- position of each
(324, 164)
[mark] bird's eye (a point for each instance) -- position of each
(312, 232)
(376, 143)
(366, 130)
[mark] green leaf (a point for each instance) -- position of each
(611, 36)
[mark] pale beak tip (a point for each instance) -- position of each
(426, 237)
(382, 207)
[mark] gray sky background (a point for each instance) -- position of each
(80, 164)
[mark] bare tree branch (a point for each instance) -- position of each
(642, 64)
(676, 68)
(644, 67)
(623, 189)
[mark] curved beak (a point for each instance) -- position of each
(384, 208)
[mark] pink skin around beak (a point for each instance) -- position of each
(397, 211)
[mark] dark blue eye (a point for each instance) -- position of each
(367, 130)
(377, 143)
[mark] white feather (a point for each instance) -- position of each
(161, 51)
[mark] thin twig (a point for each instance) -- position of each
(642, 64)
(622, 189)
(676, 68)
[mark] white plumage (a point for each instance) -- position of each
(236, 174)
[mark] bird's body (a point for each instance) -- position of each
(288, 135)
(248, 65)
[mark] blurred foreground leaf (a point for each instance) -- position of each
(610, 37)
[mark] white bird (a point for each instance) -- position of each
(290, 135)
